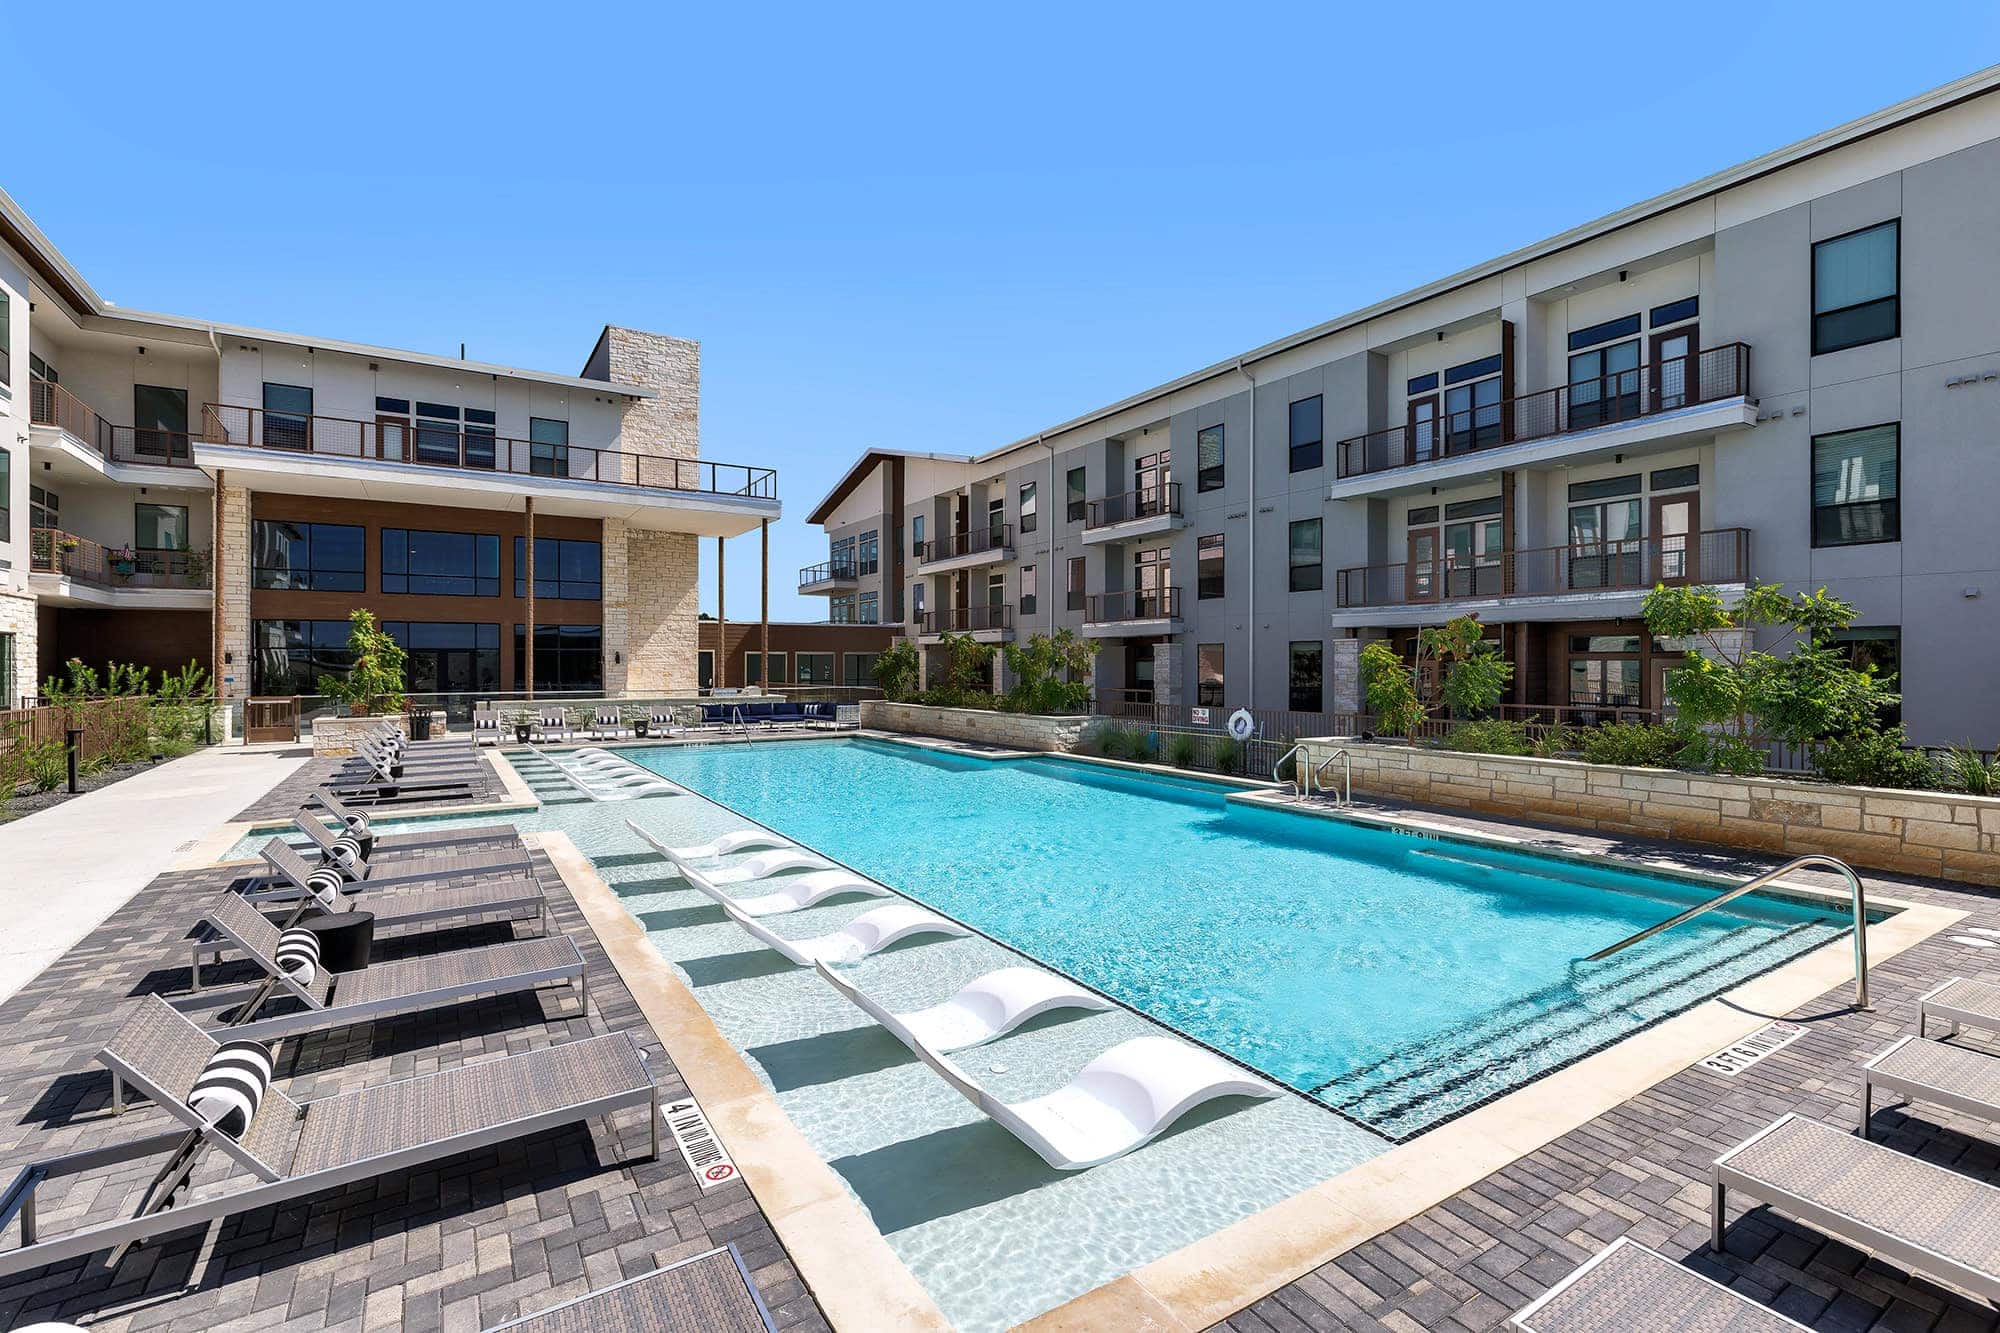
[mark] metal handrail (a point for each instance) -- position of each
(1296, 790)
(1346, 776)
(1860, 895)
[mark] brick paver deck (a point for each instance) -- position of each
(283, 799)
(1643, 1169)
(462, 1243)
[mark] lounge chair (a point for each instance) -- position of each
(1918, 1070)
(662, 721)
(762, 866)
(607, 725)
(486, 727)
(297, 1149)
(1120, 1101)
(356, 824)
(869, 933)
(292, 870)
(379, 780)
(1960, 1001)
(992, 1005)
(552, 724)
(335, 999)
(608, 785)
(738, 841)
(1627, 1286)
(789, 893)
(711, 1290)
(1927, 1218)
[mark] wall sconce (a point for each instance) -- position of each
(228, 658)
(617, 659)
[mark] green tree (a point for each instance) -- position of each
(374, 683)
(1386, 685)
(1052, 673)
(898, 670)
(1475, 673)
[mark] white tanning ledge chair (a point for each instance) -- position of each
(1122, 1100)
(987, 1007)
(762, 866)
(740, 840)
(869, 933)
(788, 894)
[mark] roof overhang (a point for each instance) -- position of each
(858, 473)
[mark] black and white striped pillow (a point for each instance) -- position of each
(231, 1086)
(359, 829)
(346, 856)
(325, 884)
(298, 955)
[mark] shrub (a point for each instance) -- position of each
(1633, 744)
(1114, 741)
(1491, 736)
(1140, 747)
(45, 764)
(1227, 754)
(1875, 758)
(1556, 739)
(1967, 770)
(1051, 674)
(1392, 698)
(1475, 673)
(898, 669)
(374, 683)
(1181, 749)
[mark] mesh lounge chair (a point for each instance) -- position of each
(335, 999)
(1929, 1071)
(712, 1291)
(1122, 1100)
(1959, 1001)
(379, 780)
(1626, 1286)
(292, 869)
(296, 1149)
(353, 818)
(1924, 1217)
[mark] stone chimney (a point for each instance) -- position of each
(668, 426)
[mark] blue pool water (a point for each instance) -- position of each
(1398, 979)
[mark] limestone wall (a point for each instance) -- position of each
(17, 617)
(662, 605)
(1014, 731)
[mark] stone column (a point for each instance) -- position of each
(616, 608)
(662, 597)
(1166, 674)
(232, 575)
(1345, 670)
(17, 617)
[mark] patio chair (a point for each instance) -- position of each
(1627, 1286)
(295, 1149)
(869, 933)
(336, 999)
(847, 717)
(711, 1291)
(788, 894)
(1928, 1218)
(606, 724)
(356, 824)
(1918, 1070)
(1960, 1001)
(552, 724)
(1122, 1100)
(379, 782)
(486, 727)
(390, 872)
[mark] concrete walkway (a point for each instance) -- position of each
(64, 870)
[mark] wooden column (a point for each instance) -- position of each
(765, 533)
(721, 619)
(215, 598)
(528, 545)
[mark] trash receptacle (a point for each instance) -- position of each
(420, 724)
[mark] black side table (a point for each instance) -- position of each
(344, 939)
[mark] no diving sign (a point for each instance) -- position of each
(699, 1147)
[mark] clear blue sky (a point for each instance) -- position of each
(938, 228)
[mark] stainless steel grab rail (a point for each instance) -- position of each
(1346, 776)
(1860, 896)
(1300, 792)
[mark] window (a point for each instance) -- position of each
(777, 668)
(481, 441)
(570, 571)
(1604, 533)
(815, 668)
(38, 368)
(315, 557)
(1604, 382)
(6, 496)
(868, 609)
(1305, 555)
(447, 656)
(1028, 587)
(704, 669)
(1208, 458)
(567, 657)
(1676, 478)
(1855, 281)
(287, 416)
(1073, 584)
(996, 520)
(917, 535)
(1307, 662)
(917, 601)
(1675, 312)
(1604, 670)
(1208, 675)
(442, 564)
(1854, 487)
(159, 421)
(292, 656)
(1472, 404)
(840, 555)
(437, 433)
(6, 666)
(1308, 434)
(1879, 646)
(159, 528)
(1208, 567)
(859, 668)
(6, 370)
(548, 447)
(44, 506)
(1073, 490)
(868, 553)
(1028, 506)
(1472, 544)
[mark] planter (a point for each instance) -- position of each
(639, 725)
(1013, 731)
(523, 731)
(337, 735)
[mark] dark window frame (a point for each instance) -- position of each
(1894, 502)
(314, 575)
(1315, 448)
(1292, 684)
(1318, 568)
(1074, 575)
(1207, 586)
(482, 585)
(1076, 491)
(521, 570)
(1817, 315)
(1028, 503)
(1209, 478)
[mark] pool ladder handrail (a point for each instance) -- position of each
(1858, 892)
(1298, 793)
(1346, 775)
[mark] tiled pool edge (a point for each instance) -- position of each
(845, 1261)
(1206, 1282)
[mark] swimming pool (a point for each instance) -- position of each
(1397, 979)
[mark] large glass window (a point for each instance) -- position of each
(564, 569)
(292, 656)
(288, 416)
(1208, 458)
(437, 433)
(1472, 404)
(840, 610)
(815, 668)
(449, 657)
(1307, 568)
(157, 530)
(6, 666)
(1878, 646)
(159, 421)
(917, 602)
(1306, 677)
(441, 564)
(1604, 533)
(44, 506)
(1208, 567)
(1855, 483)
(1308, 433)
(1604, 384)
(1855, 288)
(858, 669)
(868, 608)
(315, 557)
(567, 657)
(1473, 548)
(1208, 675)
(548, 447)
(6, 496)
(1029, 511)
(917, 536)
(1073, 584)
(1073, 492)
(868, 553)
(1604, 670)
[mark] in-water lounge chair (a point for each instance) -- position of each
(761, 866)
(1626, 1286)
(869, 933)
(295, 1149)
(1122, 1100)
(990, 1006)
(789, 893)
(740, 840)
(1927, 1218)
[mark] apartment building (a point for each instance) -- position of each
(1788, 372)
(804, 655)
(176, 490)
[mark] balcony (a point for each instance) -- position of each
(74, 571)
(1659, 404)
(54, 407)
(1545, 583)
(1134, 614)
(829, 577)
(989, 624)
(422, 463)
(1151, 509)
(968, 550)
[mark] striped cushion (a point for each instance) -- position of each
(325, 884)
(346, 854)
(363, 835)
(298, 955)
(231, 1086)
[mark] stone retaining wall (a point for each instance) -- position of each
(1014, 731)
(1924, 833)
(336, 735)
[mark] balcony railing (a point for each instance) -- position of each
(52, 405)
(993, 537)
(966, 619)
(829, 571)
(1147, 502)
(449, 445)
(1147, 604)
(1719, 556)
(1711, 375)
(53, 551)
